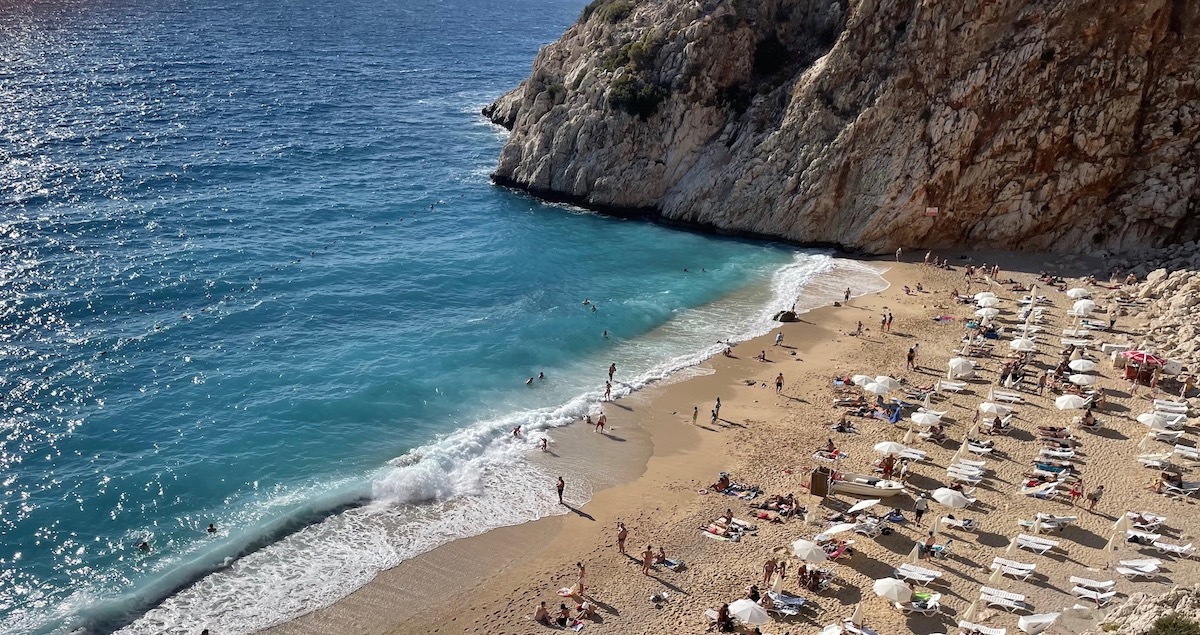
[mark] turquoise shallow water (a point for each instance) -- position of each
(252, 273)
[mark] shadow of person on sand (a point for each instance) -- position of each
(579, 512)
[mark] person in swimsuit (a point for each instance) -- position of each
(647, 559)
(560, 485)
(622, 534)
(541, 615)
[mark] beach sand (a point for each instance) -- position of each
(492, 583)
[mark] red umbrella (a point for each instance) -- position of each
(1143, 358)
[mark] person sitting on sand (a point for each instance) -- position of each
(661, 556)
(585, 611)
(829, 447)
(564, 616)
(541, 615)
(724, 622)
(895, 516)
(1088, 419)
(722, 483)
(727, 519)
(753, 594)
(762, 357)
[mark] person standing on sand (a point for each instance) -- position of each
(647, 559)
(560, 486)
(612, 370)
(600, 422)
(912, 357)
(1076, 493)
(582, 570)
(889, 324)
(717, 409)
(1094, 497)
(714, 417)
(778, 339)
(898, 251)
(920, 507)
(847, 296)
(695, 414)
(622, 534)
(768, 571)
(858, 331)
(779, 384)
(882, 324)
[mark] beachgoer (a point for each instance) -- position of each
(912, 357)
(928, 254)
(883, 324)
(1076, 492)
(541, 615)
(585, 610)
(212, 529)
(779, 383)
(929, 543)
(144, 546)
(581, 570)
(560, 485)
(778, 339)
(545, 444)
(889, 322)
(920, 507)
(724, 623)
(847, 296)
(860, 328)
(541, 376)
(695, 413)
(1094, 497)
(647, 559)
(608, 391)
(601, 421)
(898, 254)
(612, 369)
(605, 334)
(714, 417)
(622, 534)
(564, 616)
(516, 432)
(660, 556)
(529, 382)
(717, 408)
(768, 571)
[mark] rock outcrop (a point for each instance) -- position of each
(1071, 125)
(1137, 615)
(1165, 304)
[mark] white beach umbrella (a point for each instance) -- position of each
(950, 498)
(914, 556)
(1144, 444)
(1082, 380)
(908, 437)
(1069, 402)
(777, 583)
(1123, 524)
(748, 611)
(892, 589)
(835, 530)
(856, 618)
(1078, 293)
(890, 447)
(985, 303)
(1082, 365)
(969, 614)
(1112, 543)
(1023, 344)
(1084, 307)
(925, 418)
(884, 380)
(876, 389)
(1012, 547)
(984, 294)
(997, 575)
(862, 380)
(994, 409)
(860, 506)
(809, 551)
(987, 313)
(1151, 418)
(1036, 527)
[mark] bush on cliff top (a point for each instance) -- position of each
(1174, 624)
(610, 11)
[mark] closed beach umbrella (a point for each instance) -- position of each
(1082, 365)
(936, 527)
(856, 617)
(876, 389)
(1078, 293)
(1012, 547)
(867, 504)
(1112, 543)
(997, 575)
(809, 551)
(749, 612)
(862, 380)
(1069, 402)
(1023, 344)
(950, 498)
(994, 409)
(914, 556)
(969, 614)
(1123, 524)
(777, 584)
(832, 629)
(884, 380)
(1084, 307)
(892, 589)
(1082, 380)
(908, 437)
(1144, 444)
(984, 294)
(985, 303)
(987, 313)
(925, 418)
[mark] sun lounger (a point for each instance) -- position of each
(913, 455)
(966, 524)
(1012, 563)
(994, 592)
(1006, 395)
(1058, 520)
(978, 449)
(1035, 544)
(1142, 536)
(1179, 551)
(1147, 522)
(1044, 490)
(1141, 562)
(1094, 585)
(1011, 602)
(1159, 461)
(1035, 624)
(1187, 452)
(971, 627)
(950, 386)
(929, 606)
(854, 629)
(963, 477)
(1057, 454)
(1187, 489)
(1171, 406)
(1017, 570)
(1096, 596)
(1134, 573)
(788, 600)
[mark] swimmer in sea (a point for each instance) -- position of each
(212, 529)
(541, 376)
(545, 444)
(606, 335)
(517, 432)
(529, 382)
(144, 546)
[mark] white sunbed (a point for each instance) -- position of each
(927, 607)
(1095, 585)
(1056, 519)
(1007, 603)
(1179, 551)
(978, 449)
(1036, 544)
(1171, 406)
(950, 386)
(1134, 573)
(1057, 454)
(1142, 536)
(1009, 396)
(1187, 452)
(1035, 624)
(1147, 522)
(971, 627)
(1187, 489)
(1160, 461)
(1015, 572)
(913, 455)
(1162, 434)
(919, 570)
(1100, 598)
(969, 470)
(966, 524)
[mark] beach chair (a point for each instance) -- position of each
(943, 551)
(930, 606)
(1042, 491)
(1187, 452)
(1011, 602)
(1035, 624)
(854, 629)
(1095, 585)
(1100, 598)
(970, 627)
(1160, 461)
(1186, 489)
(1171, 406)
(965, 524)
(978, 449)
(963, 477)
(1141, 562)
(1179, 551)
(1146, 521)
(1057, 454)
(1018, 570)
(1133, 573)
(1008, 396)
(950, 386)
(1056, 519)
(1035, 543)
(914, 455)
(1142, 537)
(783, 599)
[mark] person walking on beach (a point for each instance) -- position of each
(717, 409)
(560, 486)
(858, 331)
(779, 384)
(920, 507)
(898, 254)
(600, 422)
(768, 571)
(1076, 493)
(647, 559)
(847, 296)
(608, 391)
(714, 417)
(695, 414)
(1094, 497)
(889, 323)
(612, 370)
(912, 359)
(622, 534)
(778, 339)
(882, 324)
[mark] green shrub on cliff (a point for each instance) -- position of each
(635, 96)
(610, 11)
(1174, 624)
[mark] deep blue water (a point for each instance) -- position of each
(252, 273)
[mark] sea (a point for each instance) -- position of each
(253, 274)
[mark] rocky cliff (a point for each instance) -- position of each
(1069, 125)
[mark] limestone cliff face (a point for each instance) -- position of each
(1071, 125)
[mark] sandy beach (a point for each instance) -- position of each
(493, 582)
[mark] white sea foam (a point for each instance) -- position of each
(463, 484)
